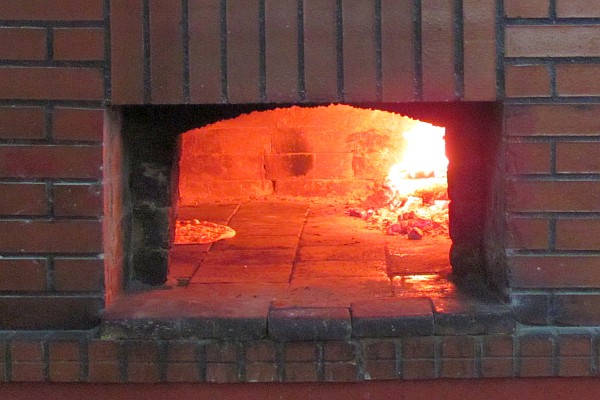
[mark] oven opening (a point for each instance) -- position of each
(248, 206)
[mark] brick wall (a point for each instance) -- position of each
(62, 61)
(51, 123)
(553, 183)
(321, 152)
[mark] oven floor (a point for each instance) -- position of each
(290, 256)
(317, 253)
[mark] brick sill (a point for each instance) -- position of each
(165, 315)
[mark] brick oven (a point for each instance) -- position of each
(95, 104)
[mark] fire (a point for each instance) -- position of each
(423, 164)
(415, 189)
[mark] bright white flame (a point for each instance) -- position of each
(424, 157)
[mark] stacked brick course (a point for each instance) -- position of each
(62, 62)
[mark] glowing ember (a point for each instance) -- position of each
(414, 200)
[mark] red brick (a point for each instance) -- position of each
(333, 166)
(536, 367)
(77, 200)
(23, 199)
(536, 346)
(22, 123)
(222, 352)
(553, 196)
(182, 351)
(380, 369)
(166, 47)
(78, 124)
(438, 50)
(66, 10)
(379, 350)
(417, 347)
(27, 364)
(526, 9)
(205, 51)
(577, 157)
(261, 372)
(299, 351)
(340, 372)
(281, 32)
(555, 271)
(222, 373)
(527, 81)
(22, 43)
(458, 347)
(141, 351)
(236, 141)
(21, 350)
(27, 372)
(50, 162)
(528, 158)
(418, 369)
(127, 52)
(48, 312)
(78, 44)
(578, 234)
(578, 79)
(46, 83)
(479, 50)
(320, 62)
(577, 309)
(574, 366)
(3, 347)
(103, 350)
(577, 9)
(23, 275)
(528, 233)
(397, 55)
(78, 275)
(143, 372)
(555, 119)
(552, 41)
(497, 367)
(243, 51)
(300, 372)
(279, 166)
(64, 351)
(226, 167)
(316, 140)
(575, 345)
(260, 351)
(105, 372)
(182, 372)
(458, 368)
(497, 346)
(193, 193)
(338, 351)
(359, 50)
(68, 371)
(51, 236)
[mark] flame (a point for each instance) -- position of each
(418, 185)
(423, 164)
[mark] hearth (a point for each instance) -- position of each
(292, 182)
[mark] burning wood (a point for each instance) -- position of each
(424, 214)
(413, 200)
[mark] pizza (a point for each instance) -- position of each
(197, 232)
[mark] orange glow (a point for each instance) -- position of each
(424, 164)
(418, 184)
